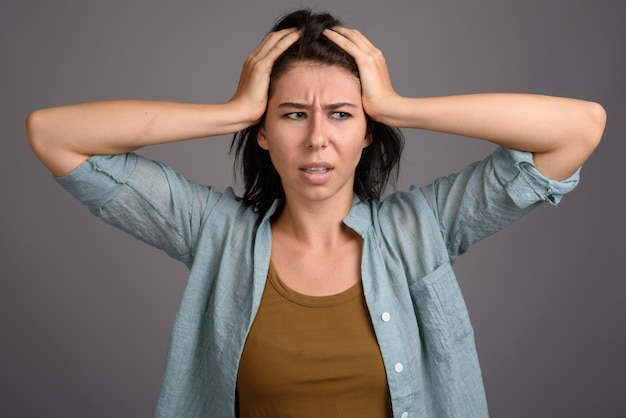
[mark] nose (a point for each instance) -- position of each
(317, 136)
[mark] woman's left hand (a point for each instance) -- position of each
(377, 94)
(560, 132)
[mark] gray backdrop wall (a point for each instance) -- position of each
(86, 311)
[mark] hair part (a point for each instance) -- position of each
(380, 162)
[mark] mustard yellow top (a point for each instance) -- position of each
(311, 356)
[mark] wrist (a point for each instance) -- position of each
(243, 115)
(397, 111)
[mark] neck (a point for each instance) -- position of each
(315, 224)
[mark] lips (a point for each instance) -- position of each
(316, 168)
(316, 173)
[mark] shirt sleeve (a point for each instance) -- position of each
(144, 198)
(490, 194)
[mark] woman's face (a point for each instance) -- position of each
(315, 131)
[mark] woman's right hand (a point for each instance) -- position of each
(64, 137)
(252, 91)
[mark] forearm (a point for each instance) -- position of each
(522, 121)
(62, 137)
(562, 133)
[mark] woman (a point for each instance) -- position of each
(311, 296)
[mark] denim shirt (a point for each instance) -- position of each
(411, 240)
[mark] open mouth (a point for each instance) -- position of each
(316, 170)
(316, 173)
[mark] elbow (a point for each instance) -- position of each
(579, 142)
(596, 116)
(43, 142)
(589, 133)
(35, 132)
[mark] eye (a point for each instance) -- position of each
(295, 115)
(341, 115)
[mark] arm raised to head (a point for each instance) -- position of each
(64, 137)
(561, 132)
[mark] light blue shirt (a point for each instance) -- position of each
(411, 240)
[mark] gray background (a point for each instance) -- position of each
(86, 311)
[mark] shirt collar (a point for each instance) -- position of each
(357, 219)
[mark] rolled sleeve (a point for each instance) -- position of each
(530, 185)
(144, 198)
(99, 179)
(488, 195)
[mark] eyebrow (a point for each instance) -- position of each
(293, 105)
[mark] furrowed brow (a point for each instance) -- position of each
(292, 105)
(332, 106)
(335, 106)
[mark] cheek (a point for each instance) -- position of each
(361, 139)
(278, 150)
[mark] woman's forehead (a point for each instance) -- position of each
(306, 79)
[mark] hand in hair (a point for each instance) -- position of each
(377, 90)
(560, 132)
(255, 77)
(63, 137)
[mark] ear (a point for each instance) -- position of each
(368, 137)
(261, 138)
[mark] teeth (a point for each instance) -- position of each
(316, 170)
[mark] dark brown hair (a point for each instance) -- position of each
(379, 162)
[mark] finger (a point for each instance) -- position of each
(340, 35)
(367, 56)
(261, 61)
(282, 44)
(369, 59)
(262, 64)
(281, 39)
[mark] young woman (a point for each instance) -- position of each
(311, 296)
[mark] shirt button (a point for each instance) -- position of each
(398, 367)
(386, 317)
(405, 415)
